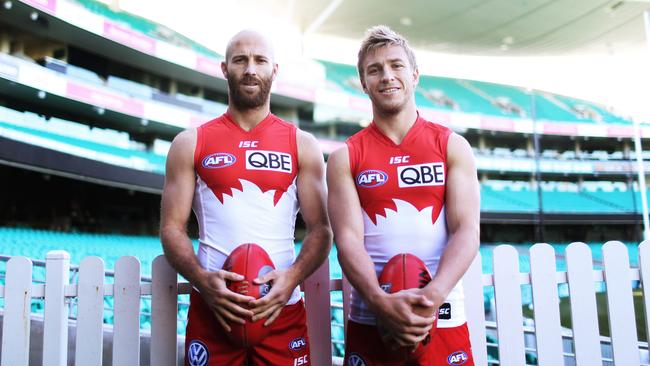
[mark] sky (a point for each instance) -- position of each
(620, 81)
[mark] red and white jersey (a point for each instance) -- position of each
(246, 190)
(401, 189)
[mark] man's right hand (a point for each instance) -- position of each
(225, 304)
(400, 324)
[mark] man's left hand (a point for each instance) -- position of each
(283, 283)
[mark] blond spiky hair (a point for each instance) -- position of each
(381, 36)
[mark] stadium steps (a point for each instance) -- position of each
(514, 95)
(145, 26)
(500, 201)
(606, 202)
(485, 96)
(155, 163)
(466, 100)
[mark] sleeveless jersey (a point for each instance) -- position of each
(401, 189)
(246, 190)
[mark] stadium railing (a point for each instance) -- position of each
(513, 340)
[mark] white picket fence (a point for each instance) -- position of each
(127, 289)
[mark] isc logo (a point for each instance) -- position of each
(444, 312)
(399, 159)
(371, 178)
(268, 160)
(247, 143)
(302, 360)
(219, 160)
(429, 174)
(457, 358)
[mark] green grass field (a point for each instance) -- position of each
(603, 318)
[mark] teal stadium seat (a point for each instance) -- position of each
(467, 100)
(78, 135)
(343, 77)
(145, 26)
(477, 97)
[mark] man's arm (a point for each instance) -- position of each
(396, 310)
(177, 196)
(463, 215)
(318, 240)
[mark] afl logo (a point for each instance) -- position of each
(457, 358)
(297, 344)
(219, 160)
(371, 178)
(197, 354)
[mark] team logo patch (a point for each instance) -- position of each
(265, 287)
(429, 174)
(197, 354)
(356, 360)
(386, 287)
(297, 344)
(457, 358)
(371, 178)
(423, 278)
(444, 311)
(219, 160)
(268, 160)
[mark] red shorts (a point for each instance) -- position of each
(206, 343)
(447, 346)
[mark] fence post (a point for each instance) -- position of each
(644, 266)
(507, 295)
(16, 322)
(584, 313)
(164, 313)
(55, 317)
(620, 305)
(90, 312)
(346, 290)
(126, 304)
(475, 310)
(548, 330)
(317, 300)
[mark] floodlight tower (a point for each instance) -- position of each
(637, 146)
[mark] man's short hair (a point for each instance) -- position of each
(381, 36)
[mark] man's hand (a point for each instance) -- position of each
(405, 317)
(225, 304)
(283, 282)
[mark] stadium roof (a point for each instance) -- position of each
(485, 27)
(563, 46)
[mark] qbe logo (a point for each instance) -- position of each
(197, 354)
(268, 160)
(457, 358)
(371, 178)
(429, 174)
(218, 160)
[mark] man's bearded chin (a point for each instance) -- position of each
(387, 109)
(243, 101)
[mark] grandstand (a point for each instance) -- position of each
(91, 97)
